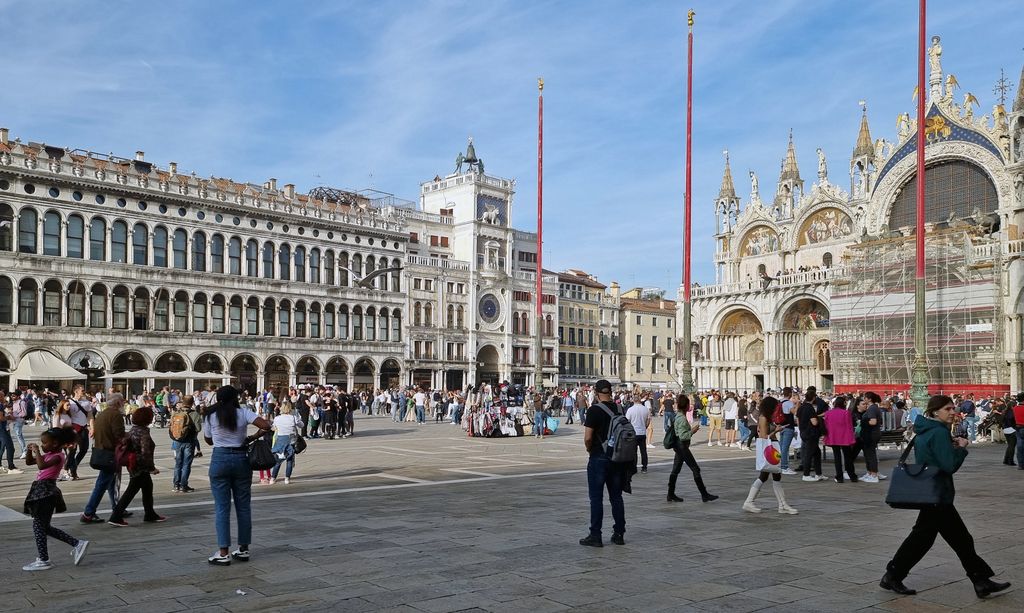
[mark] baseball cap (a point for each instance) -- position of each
(603, 387)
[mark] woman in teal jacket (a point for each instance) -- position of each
(935, 446)
(684, 432)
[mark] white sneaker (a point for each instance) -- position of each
(23, 454)
(882, 477)
(750, 507)
(272, 481)
(710, 444)
(785, 509)
(719, 443)
(79, 551)
(38, 565)
(788, 471)
(287, 481)
(14, 471)
(809, 478)
(649, 446)
(822, 478)
(869, 479)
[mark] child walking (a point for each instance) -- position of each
(44, 497)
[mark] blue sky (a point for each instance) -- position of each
(383, 94)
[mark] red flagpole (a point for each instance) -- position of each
(920, 142)
(539, 369)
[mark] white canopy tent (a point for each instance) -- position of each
(42, 366)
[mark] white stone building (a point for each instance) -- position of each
(782, 259)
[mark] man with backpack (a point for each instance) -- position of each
(186, 424)
(610, 440)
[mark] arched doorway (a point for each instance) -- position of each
(276, 372)
(337, 373)
(362, 375)
(212, 364)
(90, 364)
(168, 363)
(243, 373)
(128, 360)
(307, 371)
(487, 365)
(803, 324)
(740, 339)
(390, 373)
(5, 366)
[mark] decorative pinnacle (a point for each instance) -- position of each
(689, 18)
(540, 84)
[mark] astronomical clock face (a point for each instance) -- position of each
(490, 308)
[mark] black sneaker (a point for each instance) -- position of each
(218, 560)
(617, 539)
(186, 489)
(590, 541)
(644, 469)
(90, 519)
(240, 555)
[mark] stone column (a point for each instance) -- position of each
(261, 381)
(63, 238)
(87, 313)
(150, 250)
(39, 305)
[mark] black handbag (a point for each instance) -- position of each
(918, 486)
(102, 459)
(260, 455)
(299, 445)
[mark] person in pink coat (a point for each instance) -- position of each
(840, 437)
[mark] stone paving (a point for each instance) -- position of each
(407, 518)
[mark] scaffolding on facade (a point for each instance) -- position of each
(872, 325)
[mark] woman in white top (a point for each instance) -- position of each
(286, 428)
(226, 429)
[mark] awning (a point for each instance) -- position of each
(43, 365)
(133, 374)
(169, 375)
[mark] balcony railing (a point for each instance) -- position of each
(810, 277)
(419, 260)
(525, 275)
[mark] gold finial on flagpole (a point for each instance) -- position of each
(689, 18)
(540, 84)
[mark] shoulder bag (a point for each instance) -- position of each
(918, 486)
(260, 455)
(299, 444)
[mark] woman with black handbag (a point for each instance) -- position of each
(934, 446)
(681, 445)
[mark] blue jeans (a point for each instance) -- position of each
(744, 431)
(972, 426)
(669, 417)
(6, 446)
(785, 440)
(19, 424)
(1020, 448)
(538, 424)
(421, 416)
(106, 481)
(402, 412)
(601, 473)
(183, 456)
(289, 457)
(231, 478)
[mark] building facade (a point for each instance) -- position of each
(588, 329)
(647, 329)
(117, 264)
(815, 287)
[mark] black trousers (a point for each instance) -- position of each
(143, 482)
(810, 454)
(304, 415)
(1011, 446)
(76, 455)
(868, 444)
(840, 456)
(946, 521)
(641, 444)
(684, 455)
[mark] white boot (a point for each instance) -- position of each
(755, 489)
(784, 507)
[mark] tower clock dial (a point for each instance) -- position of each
(490, 308)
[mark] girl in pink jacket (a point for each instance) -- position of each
(840, 437)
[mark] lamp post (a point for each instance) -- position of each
(687, 318)
(919, 372)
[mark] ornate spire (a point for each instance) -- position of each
(728, 190)
(1018, 102)
(790, 172)
(865, 146)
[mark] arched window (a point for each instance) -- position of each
(357, 323)
(6, 227)
(396, 327)
(199, 252)
(235, 315)
(314, 265)
(329, 321)
(417, 314)
(269, 325)
(140, 311)
(428, 314)
(268, 260)
(549, 326)
(180, 249)
(52, 300)
(119, 308)
(252, 254)
(140, 245)
(217, 254)
(76, 304)
(6, 301)
(370, 267)
(285, 319)
(181, 312)
(300, 316)
(343, 322)
(460, 317)
(76, 237)
(28, 225)
(51, 233)
(119, 242)
(826, 260)
(162, 307)
(524, 325)
(28, 302)
(98, 307)
(284, 260)
(235, 256)
(450, 319)
(329, 267)
(371, 324)
(300, 263)
(252, 317)
(383, 327)
(357, 264)
(515, 323)
(98, 239)
(343, 269)
(314, 321)
(396, 276)
(199, 313)
(160, 247)
(217, 308)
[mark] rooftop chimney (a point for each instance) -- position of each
(614, 287)
(174, 168)
(140, 156)
(3, 136)
(289, 191)
(272, 184)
